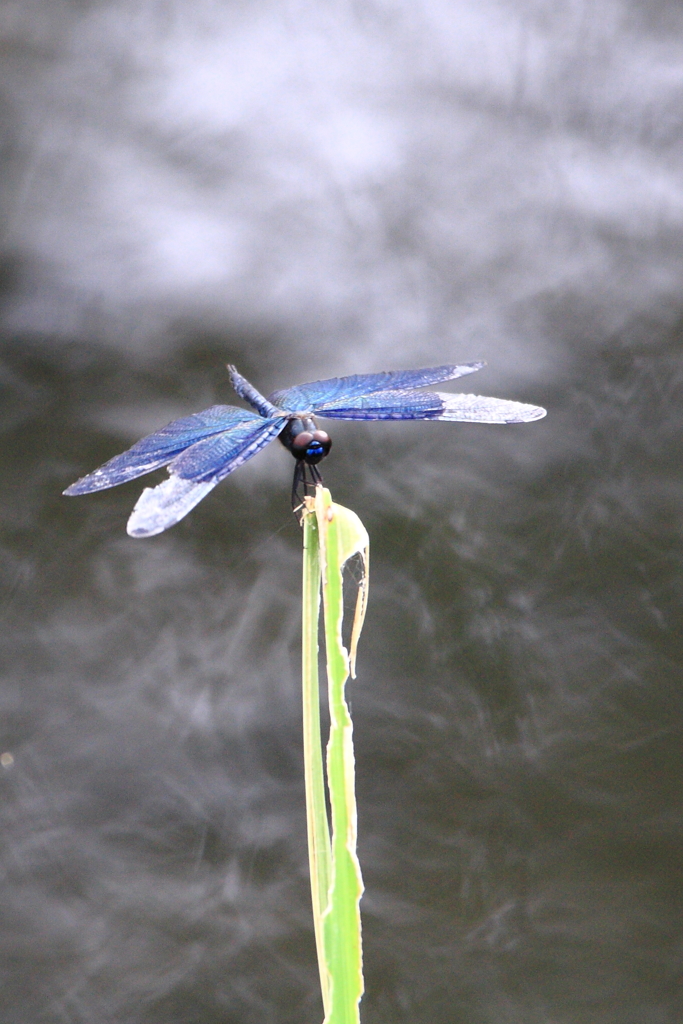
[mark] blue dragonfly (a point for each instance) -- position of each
(202, 449)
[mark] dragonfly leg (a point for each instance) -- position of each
(306, 479)
(296, 502)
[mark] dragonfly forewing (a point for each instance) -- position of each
(340, 391)
(158, 449)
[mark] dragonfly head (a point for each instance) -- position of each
(303, 439)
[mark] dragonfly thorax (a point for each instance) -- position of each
(303, 439)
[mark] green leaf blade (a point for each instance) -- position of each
(342, 535)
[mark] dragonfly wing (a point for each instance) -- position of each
(387, 405)
(158, 449)
(162, 506)
(196, 472)
(338, 390)
(215, 457)
(479, 409)
(430, 405)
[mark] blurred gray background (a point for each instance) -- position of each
(310, 190)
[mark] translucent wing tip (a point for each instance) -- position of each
(529, 413)
(480, 409)
(161, 507)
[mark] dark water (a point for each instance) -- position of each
(307, 190)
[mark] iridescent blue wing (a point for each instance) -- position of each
(429, 405)
(338, 390)
(196, 471)
(158, 449)
(214, 458)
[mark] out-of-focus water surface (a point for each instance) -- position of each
(308, 190)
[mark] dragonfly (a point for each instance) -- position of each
(202, 449)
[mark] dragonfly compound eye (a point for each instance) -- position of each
(311, 446)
